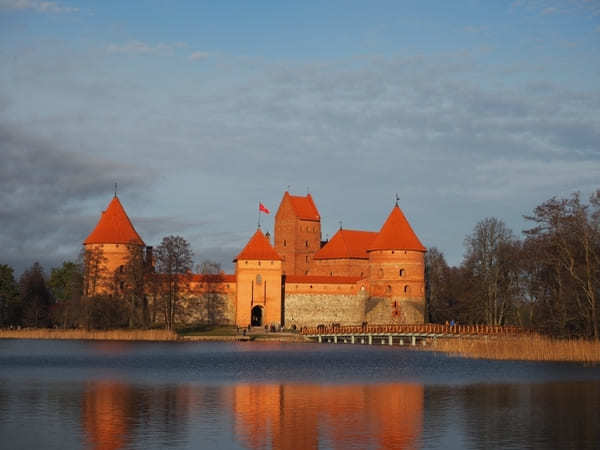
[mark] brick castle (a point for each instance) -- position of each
(297, 280)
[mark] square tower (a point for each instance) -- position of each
(297, 233)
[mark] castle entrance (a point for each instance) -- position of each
(256, 316)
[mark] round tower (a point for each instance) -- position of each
(397, 271)
(108, 248)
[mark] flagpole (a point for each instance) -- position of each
(259, 214)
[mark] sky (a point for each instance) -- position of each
(199, 110)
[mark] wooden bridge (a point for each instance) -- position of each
(403, 334)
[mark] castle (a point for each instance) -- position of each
(295, 281)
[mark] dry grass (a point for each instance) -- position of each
(110, 335)
(526, 348)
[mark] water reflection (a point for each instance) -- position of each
(263, 415)
(308, 416)
(153, 396)
(107, 414)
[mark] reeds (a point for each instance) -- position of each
(109, 335)
(525, 348)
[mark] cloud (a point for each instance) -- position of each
(550, 10)
(143, 48)
(194, 155)
(198, 56)
(37, 6)
(550, 7)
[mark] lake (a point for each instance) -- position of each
(111, 395)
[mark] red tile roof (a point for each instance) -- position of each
(396, 234)
(214, 278)
(114, 227)
(304, 207)
(320, 279)
(258, 248)
(347, 244)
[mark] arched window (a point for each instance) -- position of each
(258, 279)
(306, 243)
(401, 272)
(388, 289)
(406, 289)
(284, 243)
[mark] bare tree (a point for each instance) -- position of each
(491, 255)
(94, 271)
(174, 264)
(130, 279)
(572, 232)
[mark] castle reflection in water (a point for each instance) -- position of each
(303, 416)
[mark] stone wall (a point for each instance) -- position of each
(214, 308)
(385, 311)
(315, 309)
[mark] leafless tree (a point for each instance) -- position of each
(491, 256)
(95, 275)
(173, 264)
(571, 231)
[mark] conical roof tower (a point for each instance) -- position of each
(397, 234)
(114, 227)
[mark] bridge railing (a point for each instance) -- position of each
(427, 328)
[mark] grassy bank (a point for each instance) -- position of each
(109, 335)
(526, 348)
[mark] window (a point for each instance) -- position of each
(306, 258)
(284, 243)
(330, 274)
(401, 272)
(122, 285)
(406, 289)
(121, 269)
(306, 243)
(388, 289)
(258, 279)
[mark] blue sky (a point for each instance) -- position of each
(201, 109)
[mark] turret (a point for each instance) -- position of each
(258, 272)
(107, 249)
(397, 269)
(297, 233)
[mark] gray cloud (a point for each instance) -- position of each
(199, 148)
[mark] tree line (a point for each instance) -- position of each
(83, 294)
(549, 280)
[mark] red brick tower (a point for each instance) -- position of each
(397, 269)
(297, 233)
(107, 248)
(258, 274)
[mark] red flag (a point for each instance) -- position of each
(262, 208)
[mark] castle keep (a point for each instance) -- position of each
(295, 281)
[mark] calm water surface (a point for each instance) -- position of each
(107, 395)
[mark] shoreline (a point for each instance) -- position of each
(524, 348)
(143, 335)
